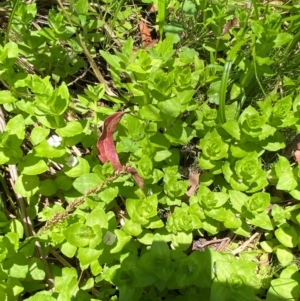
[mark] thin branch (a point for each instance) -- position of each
(245, 244)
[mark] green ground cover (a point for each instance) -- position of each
(149, 150)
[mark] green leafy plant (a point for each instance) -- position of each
(149, 173)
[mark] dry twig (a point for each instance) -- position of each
(245, 244)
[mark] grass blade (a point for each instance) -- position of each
(11, 17)
(161, 16)
(223, 90)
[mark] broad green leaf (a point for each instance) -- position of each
(235, 92)
(87, 256)
(47, 151)
(290, 272)
(282, 38)
(97, 217)
(283, 289)
(132, 228)
(179, 134)
(108, 194)
(87, 182)
(232, 127)
(36, 269)
(67, 281)
(284, 255)
(170, 107)
(150, 112)
(38, 134)
(96, 268)
(63, 182)
(287, 235)
(181, 240)
(60, 99)
(71, 129)
(16, 126)
(17, 266)
(15, 288)
(112, 60)
(31, 165)
(81, 7)
(82, 167)
(78, 235)
(237, 199)
(47, 187)
(282, 166)
(267, 246)
(44, 295)
(122, 240)
(6, 97)
(17, 227)
(68, 250)
(286, 181)
(261, 220)
(232, 221)
(146, 237)
(26, 185)
(219, 291)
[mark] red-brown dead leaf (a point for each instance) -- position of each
(193, 183)
(107, 150)
(297, 153)
(106, 145)
(145, 33)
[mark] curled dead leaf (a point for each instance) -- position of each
(107, 150)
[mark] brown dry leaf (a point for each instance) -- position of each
(297, 153)
(145, 33)
(231, 23)
(107, 150)
(193, 182)
(147, 40)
